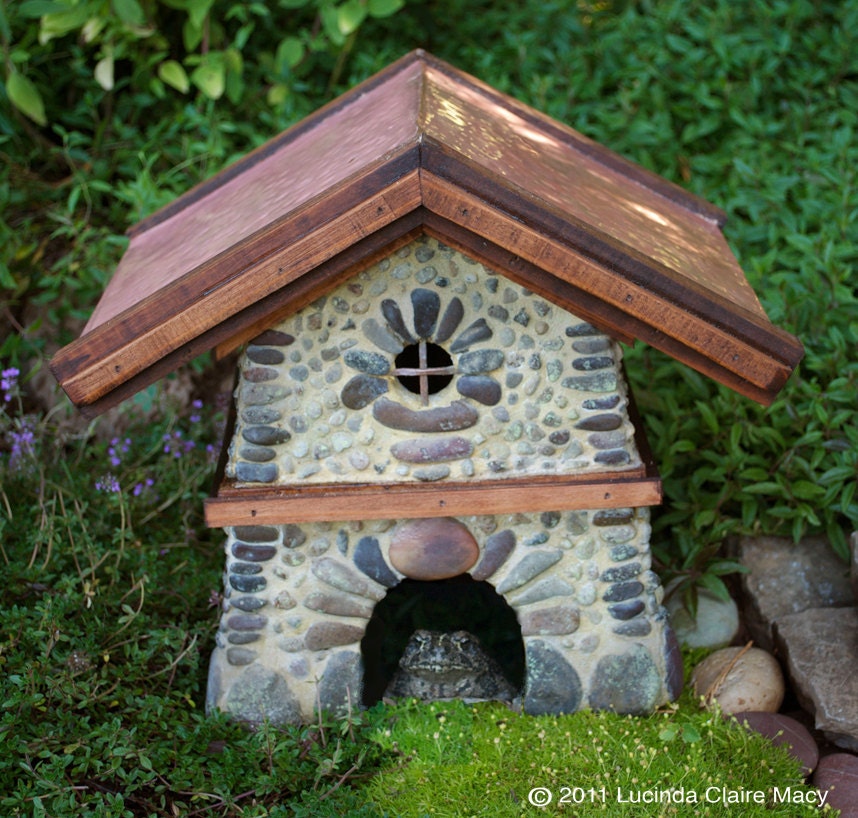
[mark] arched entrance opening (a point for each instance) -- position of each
(457, 603)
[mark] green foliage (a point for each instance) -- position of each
(484, 760)
(107, 610)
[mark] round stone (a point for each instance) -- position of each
(433, 549)
(432, 450)
(716, 623)
(260, 414)
(739, 680)
(265, 356)
(324, 635)
(256, 533)
(247, 584)
(256, 472)
(480, 361)
(370, 363)
(253, 553)
(362, 390)
(260, 374)
(559, 620)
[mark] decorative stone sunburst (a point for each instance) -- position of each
(422, 365)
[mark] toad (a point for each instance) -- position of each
(437, 666)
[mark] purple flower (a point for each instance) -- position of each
(143, 486)
(196, 417)
(117, 449)
(108, 484)
(22, 441)
(176, 445)
(9, 382)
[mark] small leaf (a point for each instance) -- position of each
(384, 8)
(39, 8)
(24, 95)
(172, 73)
(289, 53)
(129, 11)
(210, 78)
(104, 71)
(349, 16)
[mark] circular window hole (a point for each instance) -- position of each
(436, 357)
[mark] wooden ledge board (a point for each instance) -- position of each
(279, 505)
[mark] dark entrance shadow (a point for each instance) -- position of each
(459, 603)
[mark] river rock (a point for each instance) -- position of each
(837, 774)
(433, 549)
(740, 679)
(784, 731)
(716, 623)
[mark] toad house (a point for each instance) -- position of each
(430, 283)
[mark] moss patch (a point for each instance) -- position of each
(484, 760)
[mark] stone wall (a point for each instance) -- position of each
(298, 600)
(531, 389)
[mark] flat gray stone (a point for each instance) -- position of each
(450, 321)
(497, 549)
(261, 694)
(786, 577)
(338, 605)
(551, 685)
(369, 559)
(340, 689)
(626, 683)
(342, 577)
(458, 415)
(527, 568)
(820, 649)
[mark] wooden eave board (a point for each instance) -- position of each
(416, 141)
(267, 505)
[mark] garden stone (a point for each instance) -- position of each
(627, 683)
(837, 775)
(552, 685)
(784, 731)
(821, 665)
(715, 626)
(740, 679)
(260, 695)
(785, 578)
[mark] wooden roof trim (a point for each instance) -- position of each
(616, 301)
(138, 338)
(541, 217)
